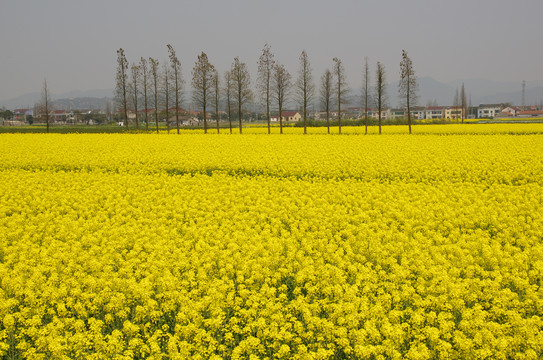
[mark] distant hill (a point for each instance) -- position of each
(90, 103)
(482, 91)
(30, 99)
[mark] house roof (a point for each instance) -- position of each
(531, 112)
(288, 113)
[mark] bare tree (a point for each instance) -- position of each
(470, 105)
(135, 72)
(366, 93)
(175, 65)
(145, 76)
(216, 92)
(202, 83)
(242, 83)
(265, 72)
(45, 104)
(155, 78)
(228, 93)
(166, 92)
(305, 89)
(326, 90)
(380, 90)
(121, 85)
(281, 87)
(463, 102)
(341, 87)
(109, 110)
(456, 104)
(407, 85)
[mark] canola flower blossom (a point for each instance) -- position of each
(273, 247)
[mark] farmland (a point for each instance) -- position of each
(123, 246)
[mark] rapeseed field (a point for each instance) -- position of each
(133, 246)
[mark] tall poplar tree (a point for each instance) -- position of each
(166, 92)
(281, 87)
(177, 78)
(202, 84)
(380, 90)
(305, 89)
(326, 90)
(463, 102)
(407, 85)
(155, 77)
(121, 85)
(341, 87)
(216, 93)
(45, 104)
(242, 86)
(228, 93)
(266, 65)
(366, 93)
(144, 79)
(134, 93)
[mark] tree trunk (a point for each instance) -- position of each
(280, 118)
(339, 105)
(328, 120)
(379, 109)
(156, 106)
(217, 112)
(125, 108)
(177, 100)
(268, 103)
(229, 112)
(366, 107)
(408, 104)
(239, 112)
(305, 107)
(205, 119)
(136, 103)
(146, 114)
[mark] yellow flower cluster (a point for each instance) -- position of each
(272, 247)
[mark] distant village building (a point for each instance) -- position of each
(530, 113)
(22, 115)
(489, 110)
(453, 112)
(418, 112)
(289, 116)
(354, 112)
(397, 113)
(434, 112)
(510, 111)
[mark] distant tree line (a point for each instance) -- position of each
(160, 88)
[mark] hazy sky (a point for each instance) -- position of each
(73, 43)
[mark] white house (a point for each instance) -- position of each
(434, 112)
(510, 111)
(287, 116)
(417, 113)
(489, 110)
